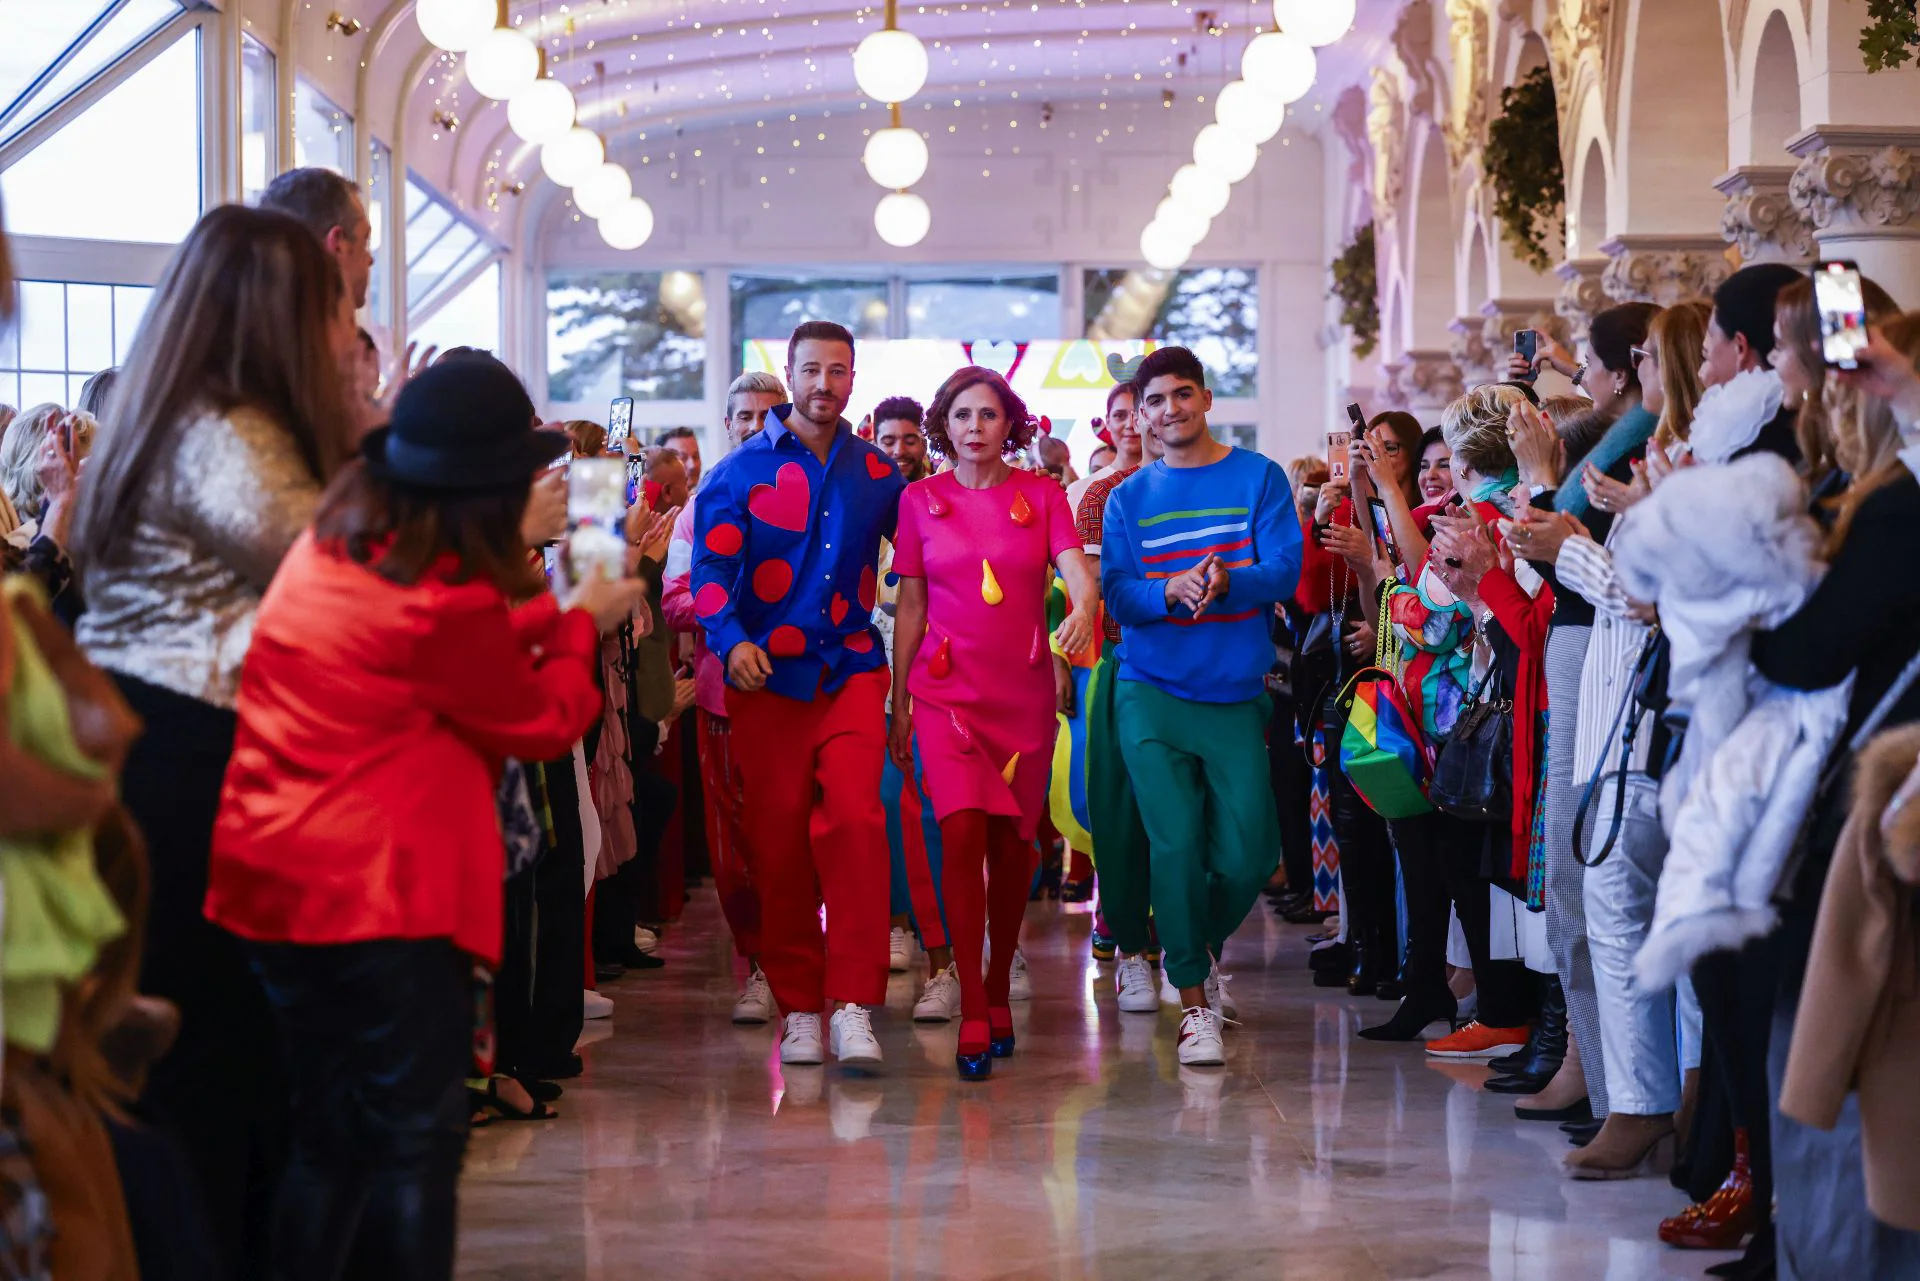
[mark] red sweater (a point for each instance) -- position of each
(359, 802)
(1524, 619)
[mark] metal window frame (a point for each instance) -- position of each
(19, 368)
(454, 278)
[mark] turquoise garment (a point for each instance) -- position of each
(1502, 484)
(1627, 436)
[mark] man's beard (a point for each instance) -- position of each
(913, 469)
(805, 410)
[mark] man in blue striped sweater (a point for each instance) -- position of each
(1197, 550)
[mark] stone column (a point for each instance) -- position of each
(1859, 186)
(1423, 383)
(1581, 294)
(1761, 220)
(1471, 356)
(1664, 269)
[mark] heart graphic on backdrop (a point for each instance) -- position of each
(1080, 363)
(1000, 357)
(783, 504)
(1122, 369)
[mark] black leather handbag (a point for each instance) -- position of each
(1473, 776)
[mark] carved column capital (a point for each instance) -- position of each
(1762, 219)
(1857, 177)
(1468, 347)
(1582, 295)
(1420, 380)
(1664, 269)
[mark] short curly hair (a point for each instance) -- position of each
(1021, 425)
(1475, 427)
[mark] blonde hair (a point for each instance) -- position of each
(589, 438)
(20, 456)
(1475, 428)
(1676, 336)
(1866, 437)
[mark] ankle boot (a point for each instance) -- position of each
(1547, 1046)
(1724, 1220)
(1363, 975)
(1627, 1147)
(1413, 1016)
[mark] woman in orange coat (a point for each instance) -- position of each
(358, 854)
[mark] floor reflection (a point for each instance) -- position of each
(686, 1150)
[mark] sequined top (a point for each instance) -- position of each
(176, 609)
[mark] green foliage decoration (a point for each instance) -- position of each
(1522, 165)
(1891, 35)
(1356, 283)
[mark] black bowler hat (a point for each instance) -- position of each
(462, 425)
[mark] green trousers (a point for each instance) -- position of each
(1119, 840)
(1201, 781)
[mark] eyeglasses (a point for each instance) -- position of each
(1639, 354)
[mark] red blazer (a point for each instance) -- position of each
(1524, 619)
(373, 719)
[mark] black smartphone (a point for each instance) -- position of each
(1527, 343)
(1840, 298)
(620, 419)
(1383, 528)
(1358, 419)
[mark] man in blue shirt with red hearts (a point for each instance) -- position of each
(786, 543)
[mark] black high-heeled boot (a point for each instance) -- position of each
(1362, 974)
(1413, 1017)
(1548, 1045)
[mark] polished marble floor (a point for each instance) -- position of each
(685, 1151)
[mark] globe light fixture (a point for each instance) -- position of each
(1182, 222)
(890, 65)
(1203, 192)
(502, 63)
(541, 112)
(1279, 65)
(628, 224)
(455, 25)
(1218, 151)
(1318, 22)
(895, 157)
(603, 189)
(902, 219)
(1163, 249)
(1242, 109)
(569, 158)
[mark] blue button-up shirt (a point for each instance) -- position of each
(785, 550)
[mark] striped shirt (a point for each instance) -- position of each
(1090, 522)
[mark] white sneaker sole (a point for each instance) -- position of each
(1204, 1058)
(899, 964)
(942, 1017)
(802, 1056)
(860, 1059)
(1139, 1004)
(1491, 1052)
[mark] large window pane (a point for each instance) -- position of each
(144, 136)
(989, 309)
(322, 132)
(768, 307)
(63, 335)
(636, 333)
(441, 246)
(1213, 310)
(38, 32)
(378, 194)
(470, 319)
(257, 132)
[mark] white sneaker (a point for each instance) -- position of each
(756, 1004)
(1200, 1043)
(645, 939)
(899, 951)
(596, 1006)
(1019, 984)
(1217, 998)
(1134, 985)
(853, 1039)
(940, 1000)
(800, 1042)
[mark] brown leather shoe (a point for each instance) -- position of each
(1627, 1147)
(1724, 1220)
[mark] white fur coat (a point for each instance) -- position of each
(1726, 551)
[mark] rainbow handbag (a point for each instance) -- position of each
(1382, 750)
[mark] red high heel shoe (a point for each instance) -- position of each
(1724, 1220)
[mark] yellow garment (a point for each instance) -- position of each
(58, 912)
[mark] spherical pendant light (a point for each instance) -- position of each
(1162, 249)
(1280, 66)
(902, 219)
(454, 25)
(1242, 109)
(628, 224)
(572, 156)
(1204, 193)
(604, 188)
(1317, 22)
(895, 157)
(502, 64)
(1183, 221)
(541, 112)
(890, 65)
(1227, 154)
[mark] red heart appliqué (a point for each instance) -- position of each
(787, 642)
(838, 609)
(710, 600)
(878, 467)
(772, 579)
(867, 594)
(725, 540)
(785, 503)
(859, 642)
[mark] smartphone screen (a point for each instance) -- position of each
(1383, 528)
(596, 516)
(1841, 300)
(620, 419)
(1338, 442)
(1526, 343)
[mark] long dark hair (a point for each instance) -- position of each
(244, 316)
(404, 534)
(1020, 423)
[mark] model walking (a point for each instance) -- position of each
(974, 555)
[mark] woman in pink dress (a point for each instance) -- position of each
(974, 556)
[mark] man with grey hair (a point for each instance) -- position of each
(748, 400)
(331, 208)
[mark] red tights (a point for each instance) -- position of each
(987, 876)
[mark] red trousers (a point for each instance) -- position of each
(987, 876)
(726, 839)
(817, 833)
